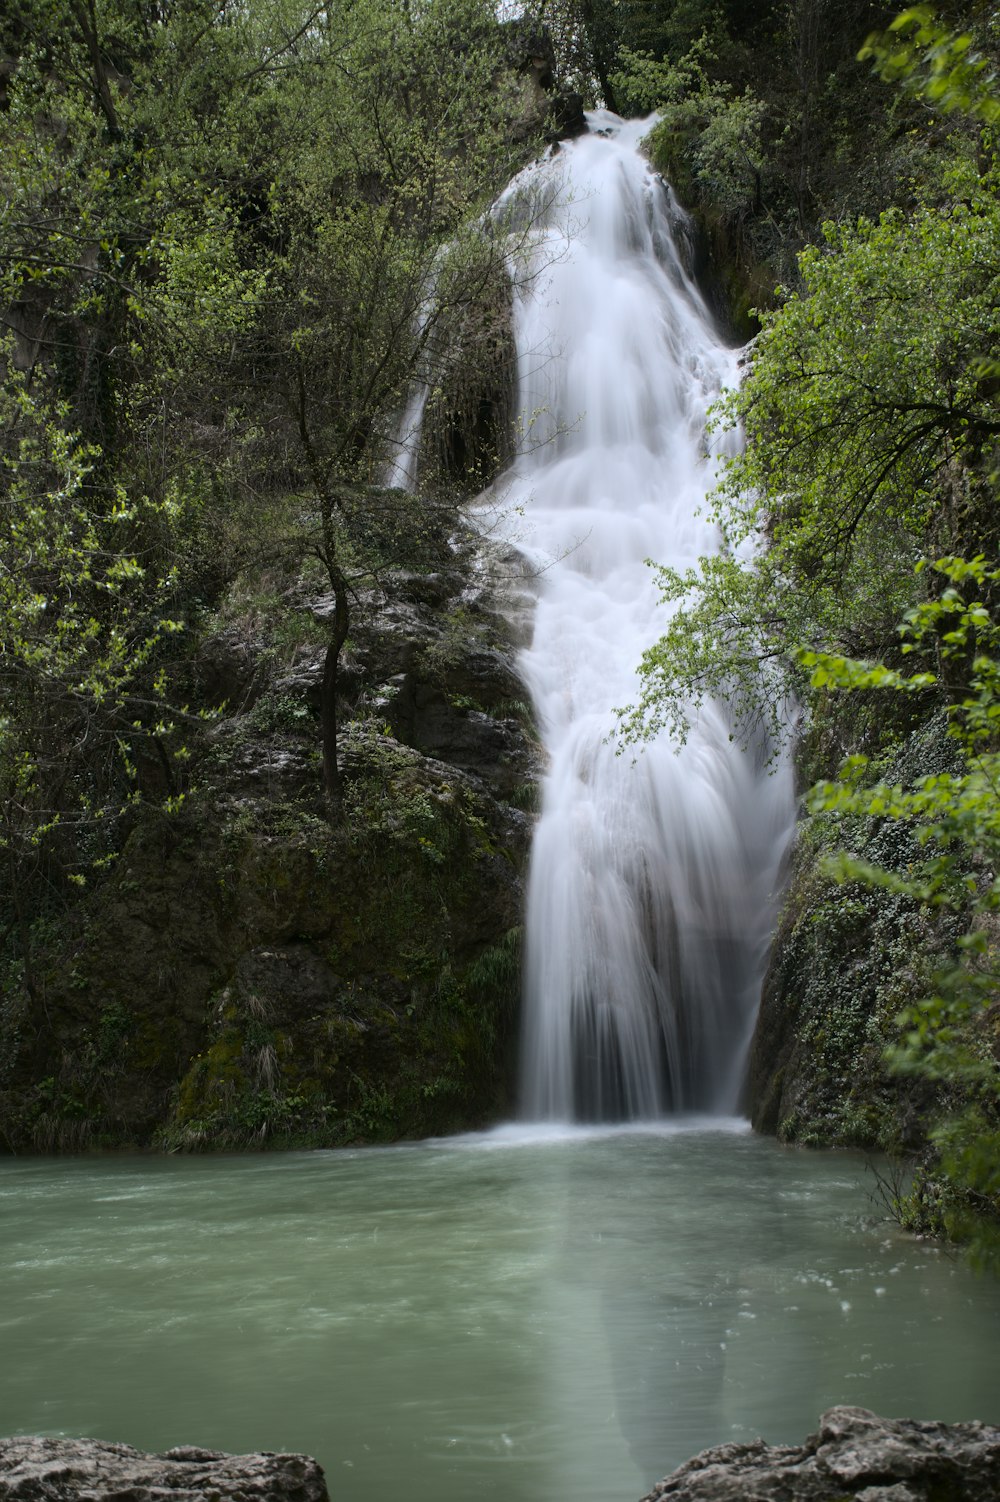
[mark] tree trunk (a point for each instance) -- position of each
(85, 14)
(22, 925)
(330, 506)
(329, 723)
(599, 27)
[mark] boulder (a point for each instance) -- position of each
(92, 1470)
(853, 1455)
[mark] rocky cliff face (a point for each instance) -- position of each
(846, 960)
(251, 973)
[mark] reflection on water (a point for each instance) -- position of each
(509, 1316)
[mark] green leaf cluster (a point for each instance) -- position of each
(937, 65)
(709, 136)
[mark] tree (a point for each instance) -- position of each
(709, 138)
(118, 279)
(872, 425)
(937, 65)
(81, 627)
(769, 125)
(871, 438)
(602, 37)
(380, 208)
(235, 242)
(233, 239)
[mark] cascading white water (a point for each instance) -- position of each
(652, 878)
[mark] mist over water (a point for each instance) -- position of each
(652, 884)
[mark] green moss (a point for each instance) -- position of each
(211, 1076)
(846, 961)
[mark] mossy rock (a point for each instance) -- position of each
(846, 961)
(250, 974)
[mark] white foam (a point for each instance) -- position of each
(652, 884)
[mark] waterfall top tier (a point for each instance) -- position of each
(650, 893)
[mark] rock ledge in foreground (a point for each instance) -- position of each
(92, 1470)
(854, 1456)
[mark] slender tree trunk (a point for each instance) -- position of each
(326, 551)
(329, 722)
(23, 926)
(599, 27)
(85, 14)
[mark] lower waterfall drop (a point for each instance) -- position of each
(652, 881)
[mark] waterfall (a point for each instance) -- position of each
(652, 876)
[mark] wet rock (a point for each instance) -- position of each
(568, 117)
(259, 768)
(228, 669)
(453, 727)
(91, 1470)
(853, 1455)
(278, 979)
(548, 105)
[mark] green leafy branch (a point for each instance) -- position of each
(937, 65)
(948, 1037)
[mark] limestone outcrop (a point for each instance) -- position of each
(854, 1454)
(92, 1470)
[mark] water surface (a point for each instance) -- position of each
(516, 1316)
